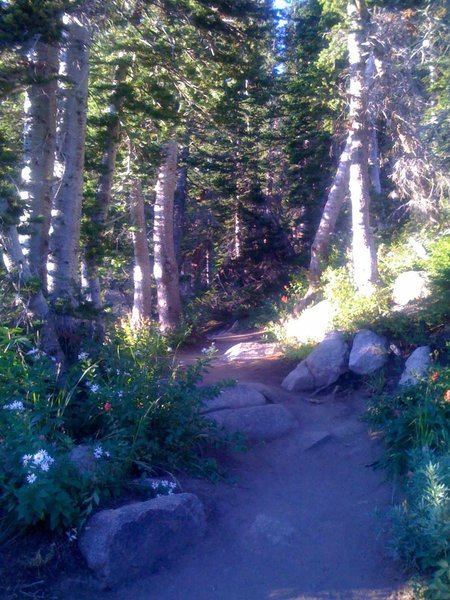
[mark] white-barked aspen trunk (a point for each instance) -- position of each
(363, 248)
(142, 272)
(65, 237)
(165, 267)
(39, 153)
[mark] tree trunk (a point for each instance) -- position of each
(335, 200)
(65, 239)
(374, 160)
(33, 299)
(363, 248)
(39, 153)
(165, 267)
(180, 198)
(142, 273)
(104, 188)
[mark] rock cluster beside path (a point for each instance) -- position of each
(368, 354)
(243, 409)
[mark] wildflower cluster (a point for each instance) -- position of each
(164, 487)
(100, 453)
(17, 406)
(41, 461)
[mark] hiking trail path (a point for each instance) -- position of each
(300, 517)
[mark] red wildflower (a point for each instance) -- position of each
(447, 396)
(284, 299)
(107, 406)
(434, 376)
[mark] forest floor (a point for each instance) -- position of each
(296, 519)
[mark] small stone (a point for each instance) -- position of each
(416, 366)
(369, 353)
(251, 351)
(238, 396)
(410, 286)
(257, 423)
(83, 459)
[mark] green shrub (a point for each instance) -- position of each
(127, 400)
(417, 417)
(421, 524)
(438, 267)
(353, 310)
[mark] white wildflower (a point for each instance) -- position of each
(33, 351)
(26, 459)
(107, 454)
(83, 356)
(42, 460)
(72, 534)
(17, 405)
(98, 451)
(31, 478)
(94, 387)
(120, 394)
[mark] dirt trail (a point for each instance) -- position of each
(297, 523)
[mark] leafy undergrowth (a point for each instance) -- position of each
(127, 403)
(416, 427)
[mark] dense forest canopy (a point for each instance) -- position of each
(178, 151)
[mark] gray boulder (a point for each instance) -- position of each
(251, 351)
(125, 542)
(83, 459)
(369, 353)
(416, 366)
(324, 365)
(238, 396)
(257, 423)
(410, 286)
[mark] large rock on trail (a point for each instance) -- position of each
(324, 365)
(257, 423)
(124, 542)
(410, 286)
(251, 351)
(313, 324)
(238, 396)
(416, 366)
(369, 353)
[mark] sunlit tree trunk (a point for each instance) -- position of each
(363, 247)
(65, 239)
(142, 272)
(39, 153)
(374, 160)
(32, 297)
(105, 183)
(165, 267)
(335, 200)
